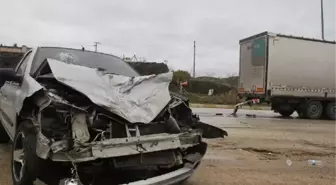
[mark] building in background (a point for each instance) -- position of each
(11, 55)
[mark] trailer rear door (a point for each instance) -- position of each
(252, 67)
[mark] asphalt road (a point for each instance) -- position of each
(261, 150)
(211, 112)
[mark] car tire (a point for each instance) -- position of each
(25, 162)
(4, 138)
(313, 109)
(330, 110)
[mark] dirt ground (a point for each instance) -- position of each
(258, 151)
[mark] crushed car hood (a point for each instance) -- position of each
(136, 99)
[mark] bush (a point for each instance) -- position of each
(229, 98)
(230, 81)
(180, 76)
(203, 86)
(197, 88)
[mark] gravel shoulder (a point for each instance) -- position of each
(257, 150)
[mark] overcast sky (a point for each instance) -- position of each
(162, 29)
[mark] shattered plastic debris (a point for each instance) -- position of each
(314, 163)
(289, 162)
(251, 115)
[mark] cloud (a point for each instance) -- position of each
(162, 30)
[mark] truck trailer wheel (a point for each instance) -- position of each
(284, 109)
(313, 109)
(330, 110)
(286, 113)
(300, 113)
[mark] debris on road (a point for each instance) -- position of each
(248, 102)
(314, 163)
(289, 162)
(251, 115)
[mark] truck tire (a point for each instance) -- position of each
(330, 110)
(313, 109)
(300, 113)
(284, 109)
(3, 134)
(286, 113)
(25, 162)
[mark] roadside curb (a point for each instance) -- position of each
(196, 105)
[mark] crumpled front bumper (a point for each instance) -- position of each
(132, 146)
(196, 150)
(171, 178)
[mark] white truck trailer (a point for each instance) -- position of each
(291, 73)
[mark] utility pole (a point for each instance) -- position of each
(96, 46)
(322, 20)
(194, 59)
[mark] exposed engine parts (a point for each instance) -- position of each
(83, 134)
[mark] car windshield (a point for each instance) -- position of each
(108, 63)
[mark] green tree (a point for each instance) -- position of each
(181, 75)
(232, 79)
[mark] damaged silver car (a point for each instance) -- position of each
(82, 117)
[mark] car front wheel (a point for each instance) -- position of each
(24, 159)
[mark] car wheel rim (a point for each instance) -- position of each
(18, 157)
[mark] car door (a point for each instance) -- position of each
(8, 95)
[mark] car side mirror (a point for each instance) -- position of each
(8, 74)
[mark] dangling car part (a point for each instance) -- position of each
(248, 102)
(89, 115)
